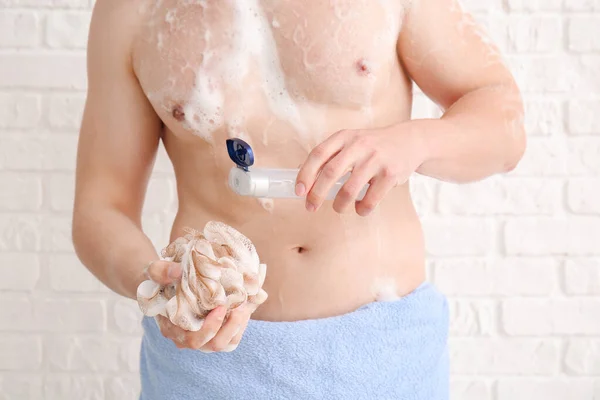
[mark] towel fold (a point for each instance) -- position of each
(389, 350)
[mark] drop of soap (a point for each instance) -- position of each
(267, 204)
(385, 289)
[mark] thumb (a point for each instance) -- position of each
(164, 272)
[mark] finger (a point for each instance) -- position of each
(332, 171)
(163, 272)
(229, 329)
(210, 327)
(171, 331)
(316, 159)
(359, 177)
(380, 186)
(237, 338)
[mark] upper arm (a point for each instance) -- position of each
(447, 53)
(120, 131)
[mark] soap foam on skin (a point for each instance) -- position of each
(385, 289)
(267, 204)
(204, 110)
(252, 46)
(249, 60)
(252, 42)
(468, 25)
(256, 37)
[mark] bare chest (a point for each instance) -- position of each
(213, 65)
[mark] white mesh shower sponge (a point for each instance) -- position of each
(220, 266)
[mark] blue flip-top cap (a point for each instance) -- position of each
(240, 153)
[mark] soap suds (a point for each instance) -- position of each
(224, 67)
(204, 110)
(160, 41)
(256, 37)
(267, 204)
(242, 56)
(385, 289)
(265, 133)
(342, 9)
(467, 26)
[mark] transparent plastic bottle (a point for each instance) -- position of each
(267, 182)
(275, 183)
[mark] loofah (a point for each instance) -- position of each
(220, 267)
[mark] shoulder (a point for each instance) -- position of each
(117, 23)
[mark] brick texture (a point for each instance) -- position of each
(518, 255)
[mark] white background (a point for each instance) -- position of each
(518, 256)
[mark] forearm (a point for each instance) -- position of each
(482, 134)
(113, 247)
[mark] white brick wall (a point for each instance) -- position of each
(518, 256)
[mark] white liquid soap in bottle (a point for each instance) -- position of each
(267, 182)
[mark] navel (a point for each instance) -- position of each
(300, 249)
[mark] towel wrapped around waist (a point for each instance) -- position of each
(384, 350)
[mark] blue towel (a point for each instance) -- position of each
(393, 350)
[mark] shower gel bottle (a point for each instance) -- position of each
(267, 182)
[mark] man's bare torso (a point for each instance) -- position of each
(284, 75)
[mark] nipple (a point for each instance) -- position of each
(362, 67)
(178, 113)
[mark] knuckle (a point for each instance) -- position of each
(349, 190)
(239, 328)
(241, 316)
(361, 141)
(368, 205)
(347, 132)
(193, 343)
(330, 171)
(209, 335)
(213, 323)
(157, 267)
(215, 345)
(373, 156)
(319, 151)
(194, 340)
(387, 172)
(199, 340)
(314, 198)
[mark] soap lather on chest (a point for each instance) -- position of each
(214, 65)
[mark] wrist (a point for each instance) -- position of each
(422, 134)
